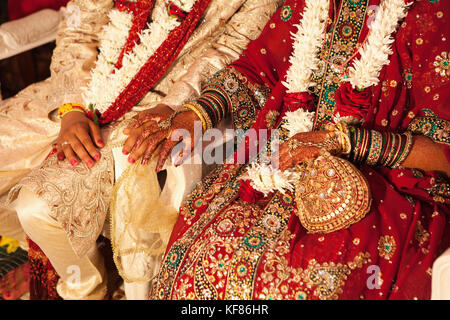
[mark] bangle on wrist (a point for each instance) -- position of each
(379, 149)
(70, 107)
(201, 113)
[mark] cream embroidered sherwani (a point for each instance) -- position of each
(68, 206)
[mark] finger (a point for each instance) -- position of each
(283, 156)
(154, 142)
(147, 132)
(137, 153)
(165, 152)
(61, 156)
(313, 137)
(146, 118)
(285, 163)
(133, 135)
(59, 152)
(69, 154)
(96, 134)
(285, 160)
(154, 139)
(186, 151)
(81, 152)
(287, 157)
(88, 145)
(297, 156)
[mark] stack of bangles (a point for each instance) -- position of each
(375, 148)
(211, 108)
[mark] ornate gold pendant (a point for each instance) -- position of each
(331, 194)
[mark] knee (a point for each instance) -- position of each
(31, 210)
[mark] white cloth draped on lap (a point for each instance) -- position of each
(143, 215)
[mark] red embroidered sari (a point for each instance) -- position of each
(223, 247)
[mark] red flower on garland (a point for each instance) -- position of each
(93, 114)
(352, 102)
(125, 5)
(247, 193)
(296, 100)
(174, 10)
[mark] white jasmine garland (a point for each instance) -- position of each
(364, 73)
(376, 50)
(107, 82)
(307, 43)
(264, 177)
(267, 179)
(298, 121)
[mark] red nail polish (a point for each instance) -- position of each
(125, 152)
(54, 150)
(60, 156)
(89, 163)
(74, 163)
(100, 143)
(131, 160)
(97, 157)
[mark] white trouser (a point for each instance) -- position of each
(80, 278)
(10, 226)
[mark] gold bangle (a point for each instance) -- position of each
(198, 113)
(206, 117)
(344, 137)
(407, 149)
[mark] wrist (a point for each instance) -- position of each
(72, 117)
(163, 109)
(69, 108)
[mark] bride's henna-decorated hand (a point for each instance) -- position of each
(182, 130)
(147, 135)
(146, 125)
(306, 146)
(158, 113)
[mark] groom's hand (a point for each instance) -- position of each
(76, 138)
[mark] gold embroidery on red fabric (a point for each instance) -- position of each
(283, 282)
(387, 247)
(341, 43)
(421, 234)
